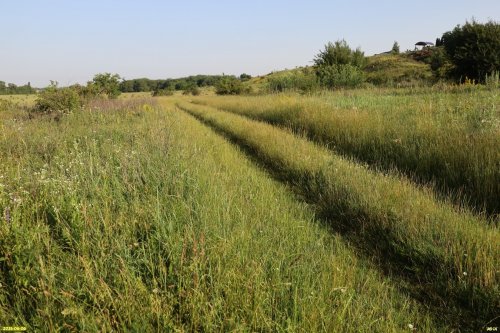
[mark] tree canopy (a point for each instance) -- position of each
(474, 49)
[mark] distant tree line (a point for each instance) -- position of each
(185, 83)
(12, 89)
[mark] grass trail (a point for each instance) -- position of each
(451, 139)
(142, 219)
(451, 257)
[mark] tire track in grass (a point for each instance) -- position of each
(448, 258)
(458, 156)
(273, 261)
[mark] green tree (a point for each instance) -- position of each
(106, 84)
(474, 49)
(395, 48)
(245, 77)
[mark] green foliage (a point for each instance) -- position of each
(339, 66)
(340, 76)
(245, 77)
(339, 53)
(145, 85)
(395, 48)
(57, 100)
(106, 84)
(229, 85)
(474, 49)
(192, 90)
(440, 63)
(296, 80)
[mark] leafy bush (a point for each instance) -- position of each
(229, 85)
(57, 100)
(339, 53)
(474, 49)
(339, 66)
(301, 80)
(192, 90)
(340, 76)
(106, 84)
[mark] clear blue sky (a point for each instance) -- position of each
(71, 40)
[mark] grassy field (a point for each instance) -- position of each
(454, 255)
(448, 137)
(133, 215)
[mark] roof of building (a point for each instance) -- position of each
(424, 43)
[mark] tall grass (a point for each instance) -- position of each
(451, 256)
(449, 139)
(141, 219)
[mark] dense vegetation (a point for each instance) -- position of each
(322, 208)
(132, 216)
(453, 255)
(474, 49)
(448, 138)
(146, 85)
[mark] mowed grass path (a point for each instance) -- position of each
(143, 220)
(450, 139)
(452, 257)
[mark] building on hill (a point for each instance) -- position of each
(421, 45)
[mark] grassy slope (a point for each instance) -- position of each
(143, 220)
(452, 255)
(394, 69)
(451, 139)
(380, 69)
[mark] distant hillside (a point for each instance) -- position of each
(386, 69)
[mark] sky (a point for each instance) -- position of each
(69, 41)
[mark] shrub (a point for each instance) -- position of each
(229, 85)
(106, 84)
(293, 81)
(57, 100)
(192, 90)
(340, 76)
(440, 64)
(339, 53)
(339, 66)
